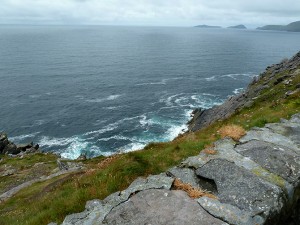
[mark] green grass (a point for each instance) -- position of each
(52, 200)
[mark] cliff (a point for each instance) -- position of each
(238, 164)
(269, 79)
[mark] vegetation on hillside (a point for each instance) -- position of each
(53, 199)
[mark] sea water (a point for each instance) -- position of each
(98, 90)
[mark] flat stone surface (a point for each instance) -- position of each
(277, 159)
(265, 134)
(157, 207)
(188, 175)
(226, 149)
(241, 188)
(229, 213)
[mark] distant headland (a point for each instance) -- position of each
(292, 27)
(207, 26)
(241, 26)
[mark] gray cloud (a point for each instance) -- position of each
(150, 12)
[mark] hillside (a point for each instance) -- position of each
(292, 27)
(55, 188)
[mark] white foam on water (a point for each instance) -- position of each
(212, 78)
(131, 147)
(236, 75)
(109, 98)
(39, 122)
(116, 137)
(174, 131)
(107, 128)
(46, 141)
(74, 150)
(22, 137)
(113, 107)
(143, 121)
(71, 148)
(238, 91)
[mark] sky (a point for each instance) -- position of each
(251, 13)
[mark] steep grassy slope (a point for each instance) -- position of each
(53, 199)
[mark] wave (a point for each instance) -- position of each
(238, 91)
(72, 147)
(212, 78)
(191, 101)
(131, 147)
(236, 75)
(22, 137)
(161, 82)
(98, 100)
(175, 130)
(116, 137)
(107, 128)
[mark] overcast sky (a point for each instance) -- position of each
(150, 12)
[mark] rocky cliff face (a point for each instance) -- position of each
(203, 118)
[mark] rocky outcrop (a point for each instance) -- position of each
(256, 181)
(203, 118)
(8, 147)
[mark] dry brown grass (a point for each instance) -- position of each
(209, 151)
(190, 190)
(233, 131)
(106, 162)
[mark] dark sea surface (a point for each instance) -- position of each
(100, 89)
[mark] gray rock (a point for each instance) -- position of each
(229, 213)
(188, 175)
(92, 204)
(62, 165)
(97, 210)
(241, 188)
(11, 148)
(3, 141)
(23, 147)
(265, 134)
(158, 207)
(226, 150)
(277, 159)
(152, 182)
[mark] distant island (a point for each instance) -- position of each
(292, 27)
(207, 26)
(241, 26)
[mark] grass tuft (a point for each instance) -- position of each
(190, 190)
(233, 131)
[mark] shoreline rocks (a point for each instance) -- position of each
(9, 148)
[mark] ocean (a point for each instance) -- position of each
(98, 90)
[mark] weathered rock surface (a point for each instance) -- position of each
(243, 189)
(8, 147)
(256, 182)
(160, 207)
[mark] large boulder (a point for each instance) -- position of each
(3, 141)
(23, 147)
(11, 148)
(160, 207)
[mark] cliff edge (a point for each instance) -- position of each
(267, 80)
